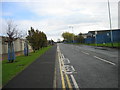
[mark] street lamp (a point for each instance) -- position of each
(96, 38)
(110, 23)
(72, 31)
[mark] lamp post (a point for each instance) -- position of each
(72, 31)
(110, 23)
(96, 38)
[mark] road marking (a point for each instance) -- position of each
(74, 82)
(66, 61)
(85, 53)
(73, 68)
(68, 69)
(105, 60)
(62, 77)
(62, 69)
(68, 81)
(62, 55)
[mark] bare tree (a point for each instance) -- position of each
(12, 31)
(13, 35)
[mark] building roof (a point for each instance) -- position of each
(104, 30)
(92, 33)
(101, 31)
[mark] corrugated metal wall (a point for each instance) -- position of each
(89, 40)
(116, 36)
(104, 37)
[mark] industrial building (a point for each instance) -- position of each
(103, 36)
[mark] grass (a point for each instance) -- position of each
(106, 45)
(10, 70)
(117, 45)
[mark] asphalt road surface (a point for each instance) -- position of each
(91, 67)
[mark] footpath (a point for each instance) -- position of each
(40, 74)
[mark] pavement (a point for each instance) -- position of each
(40, 74)
(93, 68)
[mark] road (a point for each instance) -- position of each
(88, 67)
(70, 66)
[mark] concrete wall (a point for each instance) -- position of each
(18, 47)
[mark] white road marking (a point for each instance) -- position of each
(62, 55)
(66, 61)
(105, 60)
(85, 53)
(74, 82)
(73, 68)
(69, 68)
(63, 69)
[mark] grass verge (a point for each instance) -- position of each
(10, 70)
(116, 45)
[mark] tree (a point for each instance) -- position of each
(79, 38)
(13, 35)
(51, 42)
(68, 37)
(37, 39)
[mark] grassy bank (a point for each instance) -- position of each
(10, 70)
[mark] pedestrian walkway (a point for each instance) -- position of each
(40, 74)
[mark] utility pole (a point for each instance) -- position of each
(110, 23)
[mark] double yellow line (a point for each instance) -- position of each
(62, 75)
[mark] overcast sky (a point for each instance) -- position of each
(55, 16)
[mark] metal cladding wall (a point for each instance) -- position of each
(106, 37)
(116, 36)
(89, 40)
(103, 38)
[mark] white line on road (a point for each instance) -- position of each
(105, 60)
(85, 52)
(74, 82)
(67, 60)
(73, 68)
(63, 56)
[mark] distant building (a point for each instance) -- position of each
(84, 35)
(103, 36)
(18, 47)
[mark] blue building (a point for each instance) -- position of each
(103, 36)
(89, 40)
